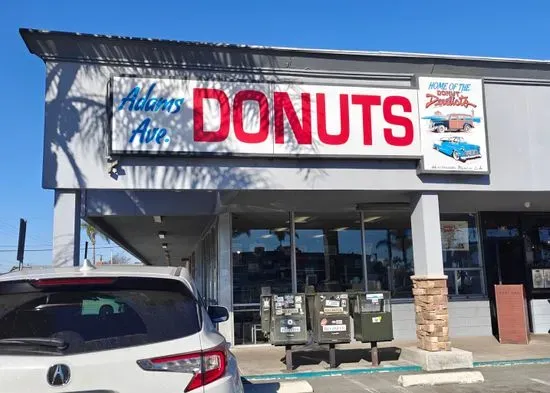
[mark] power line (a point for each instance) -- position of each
(46, 245)
(51, 249)
(13, 231)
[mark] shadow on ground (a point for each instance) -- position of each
(309, 356)
(265, 387)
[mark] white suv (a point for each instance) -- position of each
(123, 329)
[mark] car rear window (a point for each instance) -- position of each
(96, 316)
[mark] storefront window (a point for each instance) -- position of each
(329, 257)
(536, 229)
(261, 258)
(248, 325)
(388, 245)
(462, 254)
(328, 251)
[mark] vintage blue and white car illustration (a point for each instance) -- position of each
(457, 148)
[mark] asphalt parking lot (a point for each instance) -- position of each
(510, 379)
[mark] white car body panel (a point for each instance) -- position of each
(116, 370)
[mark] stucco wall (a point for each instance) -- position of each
(76, 141)
(466, 318)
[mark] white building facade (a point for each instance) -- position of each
(293, 167)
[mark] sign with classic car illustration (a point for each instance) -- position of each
(452, 125)
(441, 123)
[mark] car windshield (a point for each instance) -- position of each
(71, 319)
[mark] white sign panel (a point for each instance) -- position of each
(455, 236)
(452, 124)
(294, 329)
(334, 328)
(179, 116)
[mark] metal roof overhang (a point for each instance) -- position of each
(105, 49)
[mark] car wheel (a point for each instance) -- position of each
(441, 129)
(106, 310)
(456, 156)
(466, 128)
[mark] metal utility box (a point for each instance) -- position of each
(288, 319)
(372, 317)
(329, 319)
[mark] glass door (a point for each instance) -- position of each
(537, 254)
(504, 256)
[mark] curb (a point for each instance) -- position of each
(372, 370)
(462, 377)
(330, 373)
(518, 362)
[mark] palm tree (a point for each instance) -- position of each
(400, 240)
(281, 235)
(92, 233)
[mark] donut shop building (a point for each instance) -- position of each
(286, 167)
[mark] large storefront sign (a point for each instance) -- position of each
(452, 125)
(441, 123)
(176, 116)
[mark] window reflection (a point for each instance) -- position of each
(462, 253)
(261, 256)
(328, 251)
(537, 240)
(248, 326)
(469, 282)
(459, 240)
(388, 245)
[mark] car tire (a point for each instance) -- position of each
(106, 310)
(466, 128)
(441, 129)
(456, 156)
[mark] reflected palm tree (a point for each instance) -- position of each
(282, 235)
(400, 240)
(239, 232)
(397, 240)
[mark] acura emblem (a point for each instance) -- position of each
(59, 375)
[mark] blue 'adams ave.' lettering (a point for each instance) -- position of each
(149, 103)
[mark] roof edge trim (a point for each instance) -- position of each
(29, 35)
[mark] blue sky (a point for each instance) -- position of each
(480, 28)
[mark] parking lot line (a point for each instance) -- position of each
(362, 385)
(540, 381)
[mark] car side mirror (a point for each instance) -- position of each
(218, 314)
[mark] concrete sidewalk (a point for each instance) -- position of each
(268, 361)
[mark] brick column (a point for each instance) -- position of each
(432, 313)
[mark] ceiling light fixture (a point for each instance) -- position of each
(301, 220)
(162, 235)
(372, 219)
(340, 229)
(157, 219)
